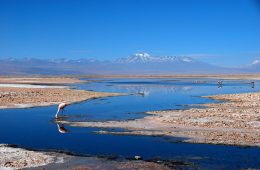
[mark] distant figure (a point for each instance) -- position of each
(61, 128)
(219, 84)
(143, 93)
(61, 107)
(253, 84)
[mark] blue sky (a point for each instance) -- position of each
(223, 32)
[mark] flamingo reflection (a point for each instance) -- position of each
(61, 128)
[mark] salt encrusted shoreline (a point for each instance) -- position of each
(18, 158)
(34, 92)
(33, 97)
(40, 80)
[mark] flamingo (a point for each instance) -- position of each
(61, 106)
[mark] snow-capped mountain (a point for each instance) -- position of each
(136, 58)
(146, 58)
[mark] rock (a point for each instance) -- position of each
(138, 157)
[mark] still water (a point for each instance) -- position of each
(35, 128)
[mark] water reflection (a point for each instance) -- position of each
(146, 90)
(61, 128)
(253, 84)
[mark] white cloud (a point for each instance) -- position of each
(256, 62)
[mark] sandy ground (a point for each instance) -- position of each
(32, 97)
(39, 80)
(31, 86)
(32, 92)
(17, 158)
(236, 122)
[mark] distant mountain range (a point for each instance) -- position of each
(137, 64)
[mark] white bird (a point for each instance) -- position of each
(61, 106)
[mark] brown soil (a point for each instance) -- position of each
(17, 158)
(26, 97)
(22, 97)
